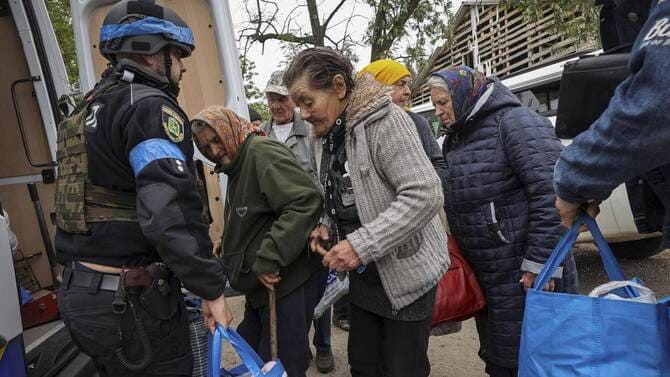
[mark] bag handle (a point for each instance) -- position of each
(249, 357)
(566, 243)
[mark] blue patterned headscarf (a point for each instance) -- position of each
(465, 85)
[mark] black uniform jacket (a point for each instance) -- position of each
(139, 140)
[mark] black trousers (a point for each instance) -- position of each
(481, 321)
(341, 309)
(88, 315)
(381, 347)
(295, 312)
(498, 371)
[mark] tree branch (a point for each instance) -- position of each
(383, 37)
(325, 24)
(284, 37)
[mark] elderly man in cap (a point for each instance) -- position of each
(286, 126)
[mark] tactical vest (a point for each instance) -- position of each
(78, 201)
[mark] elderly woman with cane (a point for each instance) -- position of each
(271, 207)
(381, 212)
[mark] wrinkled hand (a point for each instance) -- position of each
(320, 235)
(342, 257)
(216, 247)
(528, 279)
(569, 211)
(216, 311)
(269, 280)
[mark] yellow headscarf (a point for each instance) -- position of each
(386, 71)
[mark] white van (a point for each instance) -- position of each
(539, 89)
(33, 80)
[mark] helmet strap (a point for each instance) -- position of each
(173, 87)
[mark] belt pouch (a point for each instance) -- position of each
(158, 302)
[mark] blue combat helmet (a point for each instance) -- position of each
(143, 27)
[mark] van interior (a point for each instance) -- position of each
(28, 168)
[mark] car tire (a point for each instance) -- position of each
(637, 249)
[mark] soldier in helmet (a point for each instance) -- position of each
(130, 223)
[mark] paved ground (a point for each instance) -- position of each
(456, 355)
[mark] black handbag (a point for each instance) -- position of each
(587, 85)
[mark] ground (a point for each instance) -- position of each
(455, 355)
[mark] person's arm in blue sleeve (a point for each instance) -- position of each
(169, 209)
(633, 135)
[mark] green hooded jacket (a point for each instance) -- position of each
(271, 208)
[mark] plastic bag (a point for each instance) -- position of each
(613, 291)
(336, 287)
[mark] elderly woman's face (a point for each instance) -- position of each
(401, 91)
(211, 146)
(320, 107)
(444, 108)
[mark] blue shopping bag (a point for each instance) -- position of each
(251, 363)
(578, 336)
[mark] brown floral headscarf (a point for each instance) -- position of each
(232, 129)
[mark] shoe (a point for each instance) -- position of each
(342, 324)
(325, 362)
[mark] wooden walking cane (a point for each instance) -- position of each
(272, 298)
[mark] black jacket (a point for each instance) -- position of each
(429, 144)
(139, 140)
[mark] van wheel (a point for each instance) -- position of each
(637, 249)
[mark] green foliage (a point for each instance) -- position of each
(248, 69)
(61, 19)
(403, 29)
(578, 19)
(255, 97)
(262, 108)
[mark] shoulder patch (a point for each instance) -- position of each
(173, 124)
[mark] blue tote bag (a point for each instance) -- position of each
(251, 363)
(579, 336)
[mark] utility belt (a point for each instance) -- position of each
(155, 284)
(154, 288)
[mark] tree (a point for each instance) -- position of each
(413, 24)
(577, 19)
(425, 22)
(248, 69)
(266, 22)
(262, 109)
(254, 95)
(61, 19)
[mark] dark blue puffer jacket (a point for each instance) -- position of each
(499, 201)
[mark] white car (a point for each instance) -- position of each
(539, 89)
